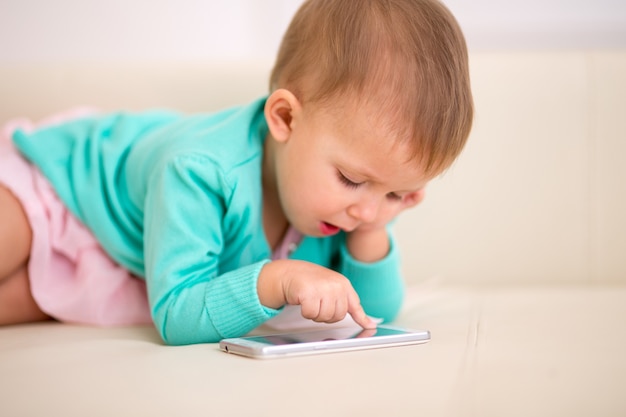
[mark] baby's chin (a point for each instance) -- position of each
(370, 227)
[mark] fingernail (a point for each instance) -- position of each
(371, 324)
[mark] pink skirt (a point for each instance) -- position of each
(72, 279)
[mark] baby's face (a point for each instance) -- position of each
(341, 171)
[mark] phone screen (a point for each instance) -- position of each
(324, 335)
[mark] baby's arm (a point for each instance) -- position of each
(377, 279)
(191, 298)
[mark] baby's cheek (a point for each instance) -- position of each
(388, 213)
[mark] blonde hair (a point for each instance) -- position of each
(408, 57)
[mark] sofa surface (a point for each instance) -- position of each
(519, 351)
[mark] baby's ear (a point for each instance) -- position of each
(413, 198)
(280, 108)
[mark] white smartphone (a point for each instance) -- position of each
(322, 341)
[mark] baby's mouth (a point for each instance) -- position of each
(328, 229)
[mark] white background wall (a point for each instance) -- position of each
(157, 30)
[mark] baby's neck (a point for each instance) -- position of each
(275, 223)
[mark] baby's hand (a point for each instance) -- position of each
(369, 242)
(322, 294)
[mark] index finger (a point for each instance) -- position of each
(358, 315)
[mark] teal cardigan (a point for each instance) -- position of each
(176, 199)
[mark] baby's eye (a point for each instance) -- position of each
(347, 181)
(394, 197)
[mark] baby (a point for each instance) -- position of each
(209, 225)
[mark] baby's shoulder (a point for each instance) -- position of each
(228, 144)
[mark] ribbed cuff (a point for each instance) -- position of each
(233, 304)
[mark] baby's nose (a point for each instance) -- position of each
(365, 211)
